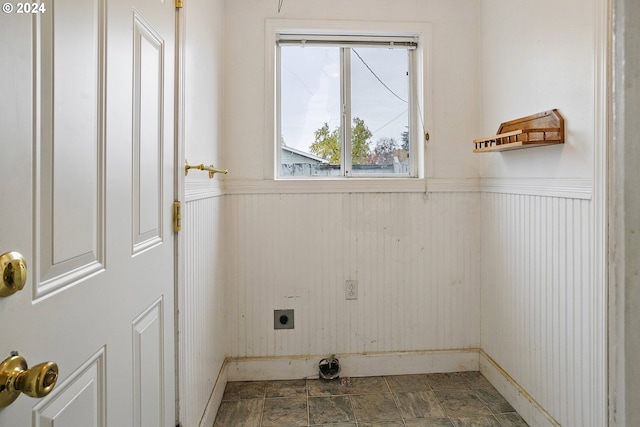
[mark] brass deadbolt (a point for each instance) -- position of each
(13, 268)
(15, 378)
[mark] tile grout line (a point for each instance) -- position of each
(353, 411)
(433, 390)
(395, 400)
(306, 386)
(264, 402)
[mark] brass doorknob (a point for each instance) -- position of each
(15, 378)
(13, 271)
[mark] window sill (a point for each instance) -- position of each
(351, 185)
(574, 188)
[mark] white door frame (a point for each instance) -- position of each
(180, 35)
(624, 211)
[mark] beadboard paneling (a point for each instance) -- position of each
(202, 333)
(415, 259)
(541, 307)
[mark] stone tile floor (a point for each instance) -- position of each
(453, 399)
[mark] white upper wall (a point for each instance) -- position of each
(455, 80)
(203, 80)
(537, 56)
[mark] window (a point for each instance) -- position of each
(346, 106)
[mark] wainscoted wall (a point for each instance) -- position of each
(544, 284)
(201, 333)
(511, 274)
(415, 258)
(543, 312)
(201, 308)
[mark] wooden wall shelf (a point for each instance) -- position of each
(538, 130)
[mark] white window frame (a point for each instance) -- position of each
(420, 122)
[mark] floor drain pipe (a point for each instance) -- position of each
(329, 368)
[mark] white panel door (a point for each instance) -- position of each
(86, 189)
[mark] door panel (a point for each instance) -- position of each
(79, 401)
(148, 353)
(69, 144)
(86, 188)
(148, 123)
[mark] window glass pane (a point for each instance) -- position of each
(310, 111)
(380, 111)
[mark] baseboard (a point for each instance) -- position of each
(530, 410)
(210, 412)
(354, 365)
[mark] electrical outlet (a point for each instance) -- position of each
(351, 289)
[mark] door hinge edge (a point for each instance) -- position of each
(178, 4)
(177, 216)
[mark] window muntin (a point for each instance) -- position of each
(345, 109)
